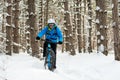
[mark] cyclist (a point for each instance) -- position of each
(53, 34)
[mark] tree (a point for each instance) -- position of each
(16, 38)
(84, 28)
(68, 30)
(90, 25)
(116, 30)
(46, 11)
(3, 17)
(9, 28)
(2, 29)
(40, 19)
(40, 14)
(78, 11)
(33, 28)
(101, 13)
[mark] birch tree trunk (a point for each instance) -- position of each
(33, 28)
(116, 30)
(9, 28)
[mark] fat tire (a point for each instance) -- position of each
(52, 60)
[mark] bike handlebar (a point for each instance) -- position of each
(49, 41)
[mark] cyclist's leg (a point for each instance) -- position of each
(44, 49)
(54, 47)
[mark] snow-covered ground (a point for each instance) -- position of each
(79, 67)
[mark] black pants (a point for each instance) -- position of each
(53, 46)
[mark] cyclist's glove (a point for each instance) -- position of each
(37, 38)
(60, 42)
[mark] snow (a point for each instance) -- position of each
(7, 24)
(16, 44)
(112, 6)
(102, 37)
(79, 67)
(27, 32)
(98, 41)
(8, 4)
(97, 21)
(101, 48)
(97, 8)
(31, 13)
(114, 24)
(98, 33)
(101, 26)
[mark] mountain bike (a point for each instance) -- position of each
(50, 56)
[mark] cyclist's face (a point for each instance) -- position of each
(51, 25)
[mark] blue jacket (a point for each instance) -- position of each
(54, 34)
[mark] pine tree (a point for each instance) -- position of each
(9, 28)
(78, 11)
(16, 38)
(90, 25)
(33, 28)
(68, 30)
(101, 26)
(116, 30)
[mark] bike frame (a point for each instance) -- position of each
(49, 56)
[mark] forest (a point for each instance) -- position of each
(88, 25)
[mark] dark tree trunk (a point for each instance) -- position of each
(78, 10)
(9, 29)
(16, 27)
(41, 22)
(90, 24)
(46, 8)
(68, 31)
(84, 29)
(116, 30)
(33, 29)
(101, 26)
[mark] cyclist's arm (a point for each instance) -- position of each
(42, 32)
(60, 36)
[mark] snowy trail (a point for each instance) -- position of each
(79, 67)
(3, 62)
(90, 67)
(21, 67)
